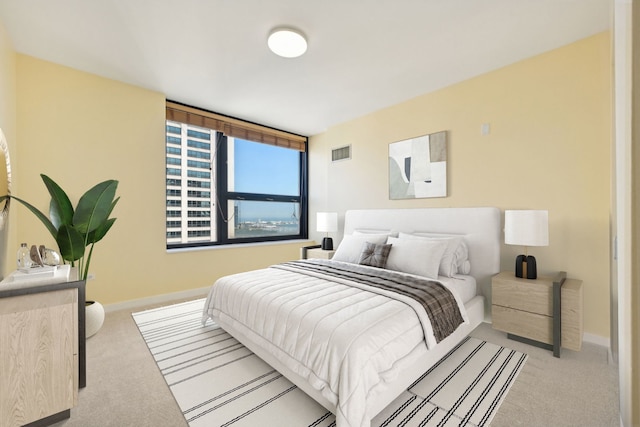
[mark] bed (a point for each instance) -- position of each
(340, 331)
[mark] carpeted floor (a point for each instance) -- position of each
(217, 381)
(125, 387)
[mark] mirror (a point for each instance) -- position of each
(5, 188)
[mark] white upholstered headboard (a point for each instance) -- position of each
(481, 228)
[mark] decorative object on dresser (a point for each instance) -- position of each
(526, 228)
(546, 312)
(418, 167)
(327, 223)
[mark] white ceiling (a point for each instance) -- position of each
(363, 55)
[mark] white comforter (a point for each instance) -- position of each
(347, 343)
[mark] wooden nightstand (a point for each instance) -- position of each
(319, 253)
(530, 310)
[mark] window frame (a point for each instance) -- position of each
(221, 196)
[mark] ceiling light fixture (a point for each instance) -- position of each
(287, 42)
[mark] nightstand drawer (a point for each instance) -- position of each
(320, 253)
(522, 294)
(533, 326)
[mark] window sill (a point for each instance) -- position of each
(240, 245)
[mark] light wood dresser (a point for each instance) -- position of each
(546, 311)
(41, 347)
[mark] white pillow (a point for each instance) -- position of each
(350, 247)
(465, 268)
(449, 262)
(416, 256)
(460, 252)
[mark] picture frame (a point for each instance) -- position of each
(418, 167)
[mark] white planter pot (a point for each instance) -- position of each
(94, 317)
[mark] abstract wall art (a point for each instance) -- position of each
(418, 167)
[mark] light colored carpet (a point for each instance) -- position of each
(125, 387)
(218, 381)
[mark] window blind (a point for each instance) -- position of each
(234, 127)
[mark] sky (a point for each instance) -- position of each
(277, 172)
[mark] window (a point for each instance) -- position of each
(202, 135)
(201, 194)
(230, 181)
(174, 130)
(199, 214)
(199, 184)
(198, 144)
(199, 154)
(196, 164)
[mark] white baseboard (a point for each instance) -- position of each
(157, 299)
(596, 339)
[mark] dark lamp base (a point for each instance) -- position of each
(526, 267)
(327, 244)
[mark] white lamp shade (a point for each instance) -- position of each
(526, 227)
(327, 221)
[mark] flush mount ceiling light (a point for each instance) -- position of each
(287, 42)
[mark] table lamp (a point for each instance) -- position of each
(526, 228)
(328, 223)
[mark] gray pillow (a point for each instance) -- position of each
(374, 255)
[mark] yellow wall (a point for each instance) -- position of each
(80, 129)
(549, 148)
(8, 236)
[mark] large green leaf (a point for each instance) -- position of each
(113, 205)
(95, 206)
(60, 207)
(97, 234)
(70, 242)
(42, 217)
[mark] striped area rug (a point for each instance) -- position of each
(219, 382)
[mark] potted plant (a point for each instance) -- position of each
(79, 228)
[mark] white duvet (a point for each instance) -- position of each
(345, 341)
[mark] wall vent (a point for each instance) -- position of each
(341, 153)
